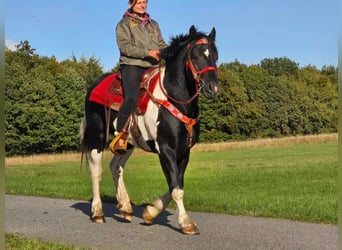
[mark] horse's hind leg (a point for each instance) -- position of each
(95, 166)
(117, 166)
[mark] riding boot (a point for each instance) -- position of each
(118, 145)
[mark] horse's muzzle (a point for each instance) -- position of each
(210, 89)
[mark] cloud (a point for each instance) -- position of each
(10, 44)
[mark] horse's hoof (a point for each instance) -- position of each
(126, 215)
(147, 217)
(190, 230)
(98, 219)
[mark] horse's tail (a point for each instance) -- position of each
(82, 142)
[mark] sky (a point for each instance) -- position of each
(305, 31)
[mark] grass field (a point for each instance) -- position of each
(291, 180)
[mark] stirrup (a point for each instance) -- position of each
(118, 145)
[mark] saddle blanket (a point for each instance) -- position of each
(107, 93)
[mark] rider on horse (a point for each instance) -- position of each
(139, 40)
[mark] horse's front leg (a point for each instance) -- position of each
(174, 171)
(187, 225)
(117, 166)
(95, 166)
(152, 211)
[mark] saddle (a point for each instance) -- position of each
(109, 91)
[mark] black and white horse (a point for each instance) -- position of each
(169, 127)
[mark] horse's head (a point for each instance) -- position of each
(202, 56)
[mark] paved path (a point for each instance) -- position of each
(67, 221)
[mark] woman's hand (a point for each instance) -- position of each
(154, 54)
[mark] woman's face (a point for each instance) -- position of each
(140, 7)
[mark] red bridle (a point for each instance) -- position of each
(196, 74)
(189, 64)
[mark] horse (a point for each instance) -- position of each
(169, 127)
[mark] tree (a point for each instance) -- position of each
(44, 104)
(323, 98)
(89, 69)
(70, 89)
(279, 66)
(232, 115)
(331, 72)
(30, 111)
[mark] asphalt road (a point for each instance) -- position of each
(67, 221)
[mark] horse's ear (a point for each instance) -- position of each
(192, 32)
(212, 34)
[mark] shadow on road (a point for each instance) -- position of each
(111, 211)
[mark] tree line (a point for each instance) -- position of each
(44, 101)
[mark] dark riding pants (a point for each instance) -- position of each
(130, 83)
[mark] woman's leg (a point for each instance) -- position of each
(130, 83)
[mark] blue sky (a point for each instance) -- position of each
(306, 31)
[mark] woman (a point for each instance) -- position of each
(139, 40)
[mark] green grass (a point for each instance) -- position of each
(14, 242)
(296, 183)
(293, 182)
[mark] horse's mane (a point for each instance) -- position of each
(177, 44)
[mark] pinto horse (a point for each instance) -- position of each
(169, 127)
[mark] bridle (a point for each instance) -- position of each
(189, 122)
(189, 64)
(196, 74)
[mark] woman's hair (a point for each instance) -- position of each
(132, 2)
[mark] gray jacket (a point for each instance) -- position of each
(136, 37)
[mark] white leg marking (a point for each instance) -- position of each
(96, 172)
(159, 205)
(121, 192)
(188, 226)
(177, 196)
